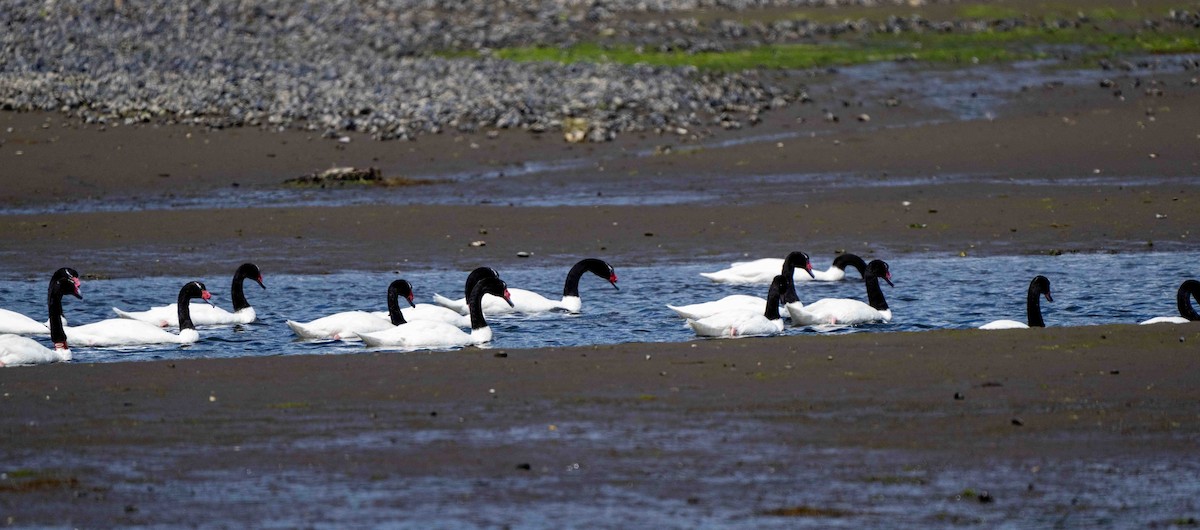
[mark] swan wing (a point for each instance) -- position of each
(734, 302)
(735, 324)
(845, 311)
(16, 323)
(1165, 320)
(459, 306)
(749, 273)
(418, 335)
(340, 326)
(1004, 324)
(23, 351)
(125, 332)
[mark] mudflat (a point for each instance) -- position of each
(1071, 426)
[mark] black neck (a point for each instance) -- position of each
(239, 296)
(1190, 289)
(54, 302)
(394, 309)
(475, 304)
(772, 311)
(789, 273)
(1033, 309)
(185, 310)
(571, 286)
(874, 294)
(850, 260)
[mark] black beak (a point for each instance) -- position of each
(258, 280)
(1048, 297)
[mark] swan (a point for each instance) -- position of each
(524, 301)
(347, 325)
(206, 314)
(1039, 286)
(18, 324)
(743, 302)
(16, 350)
(433, 334)
(126, 332)
(740, 323)
(846, 311)
(762, 270)
(1189, 289)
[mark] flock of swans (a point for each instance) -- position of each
(449, 323)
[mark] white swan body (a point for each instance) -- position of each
(1183, 301)
(428, 334)
(340, 326)
(18, 324)
(125, 332)
(202, 315)
(1165, 320)
(1038, 287)
(432, 312)
(1004, 324)
(763, 320)
(838, 311)
(736, 324)
(847, 311)
(524, 301)
(761, 271)
(733, 302)
(206, 314)
(348, 325)
(16, 350)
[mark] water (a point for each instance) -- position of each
(931, 292)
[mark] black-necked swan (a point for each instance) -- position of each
(348, 325)
(740, 323)
(1038, 287)
(432, 334)
(847, 311)
(16, 350)
(761, 271)
(125, 332)
(524, 301)
(744, 302)
(18, 324)
(206, 314)
(1188, 290)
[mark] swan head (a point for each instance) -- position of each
(879, 269)
(1041, 285)
(67, 280)
(476, 275)
(250, 270)
(602, 269)
(400, 288)
(196, 290)
(797, 260)
(496, 287)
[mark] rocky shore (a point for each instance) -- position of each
(397, 70)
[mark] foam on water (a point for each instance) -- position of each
(931, 292)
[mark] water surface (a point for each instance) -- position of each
(931, 292)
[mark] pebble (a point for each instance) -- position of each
(400, 69)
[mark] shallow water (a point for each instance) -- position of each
(931, 292)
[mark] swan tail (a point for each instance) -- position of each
(705, 330)
(304, 332)
(454, 305)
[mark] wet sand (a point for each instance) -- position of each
(1054, 424)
